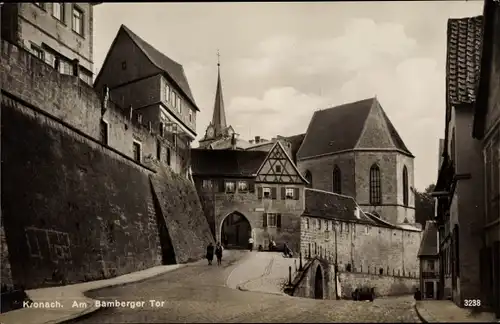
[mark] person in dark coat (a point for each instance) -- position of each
(210, 253)
(218, 253)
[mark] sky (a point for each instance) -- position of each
(280, 62)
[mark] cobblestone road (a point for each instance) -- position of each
(198, 293)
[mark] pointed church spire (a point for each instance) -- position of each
(219, 116)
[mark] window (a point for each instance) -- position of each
(289, 193)
(375, 192)
(405, 186)
(104, 132)
(77, 22)
(136, 146)
(336, 181)
(158, 150)
(162, 129)
(229, 186)
(179, 104)
(124, 65)
(58, 11)
(190, 116)
(37, 51)
(492, 165)
(167, 93)
(326, 226)
(318, 224)
(168, 155)
(242, 186)
(174, 99)
(207, 184)
(278, 168)
(66, 67)
(430, 265)
(309, 179)
(307, 223)
(266, 192)
(272, 220)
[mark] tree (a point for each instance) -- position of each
(424, 205)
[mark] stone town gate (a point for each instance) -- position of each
(315, 280)
(233, 230)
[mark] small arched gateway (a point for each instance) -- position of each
(318, 283)
(235, 230)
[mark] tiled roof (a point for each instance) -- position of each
(339, 128)
(463, 59)
(329, 205)
(429, 243)
(230, 163)
(164, 63)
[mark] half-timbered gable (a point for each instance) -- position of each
(278, 167)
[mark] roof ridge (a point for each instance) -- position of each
(350, 103)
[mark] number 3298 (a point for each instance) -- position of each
(472, 302)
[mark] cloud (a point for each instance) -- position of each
(282, 111)
(362, 44)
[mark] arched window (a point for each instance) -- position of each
(336, 181)
(309, 178)
(405, 186)
(375, 192)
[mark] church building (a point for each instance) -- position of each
(355, 150)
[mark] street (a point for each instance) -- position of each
(198, 293)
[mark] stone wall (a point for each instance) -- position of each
(253, 209)
(76, 103)
(384, 285)
(363, 247)
(304, 283)
(74, 209)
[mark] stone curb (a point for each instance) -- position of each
(93, 309)
(422, 319)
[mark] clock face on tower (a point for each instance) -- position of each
(210, 132)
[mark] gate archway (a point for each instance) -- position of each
(318, 283)
(235, 230)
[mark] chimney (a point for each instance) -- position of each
(250, 141)
(257, 139)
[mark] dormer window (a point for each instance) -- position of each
(174, 99)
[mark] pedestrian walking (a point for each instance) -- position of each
(218, 253)
(250, 244)
(210, 253)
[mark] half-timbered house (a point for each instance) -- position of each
(264, 190)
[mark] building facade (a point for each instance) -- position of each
(60, 34)
(143, 81)
(429, 262)
(487, 130)
(361, 156)
(334, 226)
(459, 188)
(265, 189)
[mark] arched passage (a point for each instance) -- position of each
(318, 283)
(235, 231)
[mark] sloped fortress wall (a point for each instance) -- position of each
(73, 208)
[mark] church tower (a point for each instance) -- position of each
(217, 130)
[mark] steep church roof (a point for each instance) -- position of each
(463, 59)
(219, 114)
(164, 63)
(429, 243)
(339, 128)
(229, 163)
